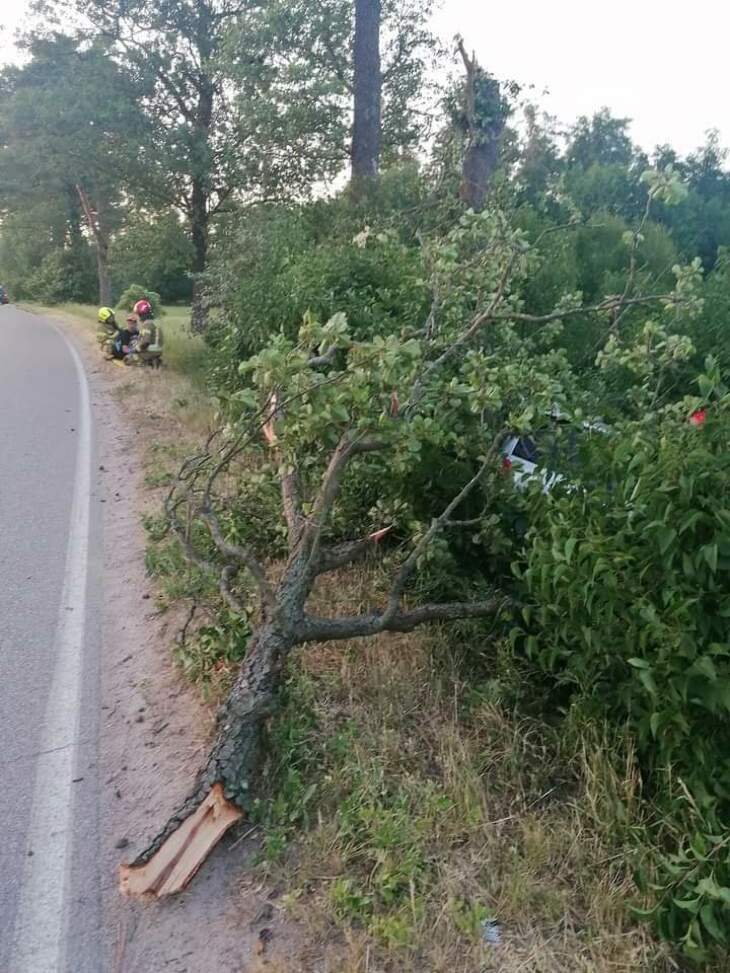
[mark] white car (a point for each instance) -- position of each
(521, 455)
(529, 461)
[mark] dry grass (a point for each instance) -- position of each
(436, 810)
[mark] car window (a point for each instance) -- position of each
(526, 448)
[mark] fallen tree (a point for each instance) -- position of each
(326, 413)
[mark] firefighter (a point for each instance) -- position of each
(106, 331)
(147, 348)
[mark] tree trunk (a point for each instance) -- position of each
(233, 763)
(199, 231)
(96, 220)
(480, 163)
(485, 122)
(200, 194)
(368, 85)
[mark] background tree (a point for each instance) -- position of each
(68, 122)
(310, 75)
(193, 150)
(367, 94)
(154, 250)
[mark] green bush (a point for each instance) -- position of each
(322, 258)
(134, 293)
(156, 252)
(628, 610)
(62, 276)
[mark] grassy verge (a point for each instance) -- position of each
(414, 819)
(411, 814)
(184, 352)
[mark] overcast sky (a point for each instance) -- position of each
(658, 62)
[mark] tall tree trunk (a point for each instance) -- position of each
(199, 230)
(485, 122)
(368, 87)
(200, 194)
(96, 220)
(480, 163)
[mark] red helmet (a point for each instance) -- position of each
(143, 307)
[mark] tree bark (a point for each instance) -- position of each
(201, 177)
(368, 85)
(199, 219)
(480, 163)
(485, 123)
(95, 218)
(234, 758)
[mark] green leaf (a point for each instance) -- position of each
(709, 887)
(689, 905)
(709, 921)
(699, 846)
(666, 537)
(246, 397)
(709, 552)
(647, 680)
(706, 667)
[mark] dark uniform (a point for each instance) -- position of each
(148, 346)
(125, 338)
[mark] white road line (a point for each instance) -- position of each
(41, 919)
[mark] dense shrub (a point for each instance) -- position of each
(628, 610)
(158, 254)
(63, 275)
(278, 264)
(134, 293)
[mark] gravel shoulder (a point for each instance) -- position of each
(154, 727)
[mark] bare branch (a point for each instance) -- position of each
(239, 553)
(328, 629)
(319, 361)
(340, 555)
(632, 264)
(614, 303)
(346, 449)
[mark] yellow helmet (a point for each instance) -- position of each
(105, 315)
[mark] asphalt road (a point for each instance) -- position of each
(50, 596)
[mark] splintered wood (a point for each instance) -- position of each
(178, 859)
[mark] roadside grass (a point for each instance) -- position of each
(184, 351)
(409, 810)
